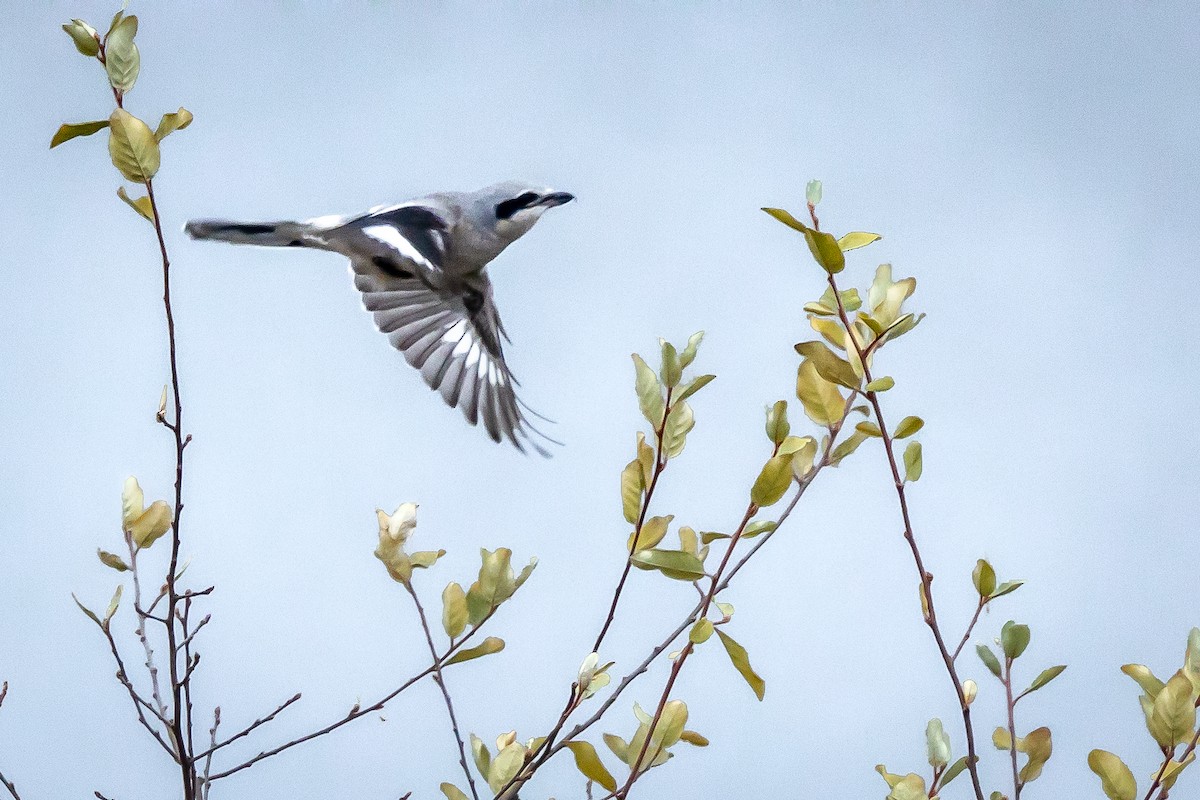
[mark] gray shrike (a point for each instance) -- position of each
(422, 269)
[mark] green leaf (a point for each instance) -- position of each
(825, 250)
(1002, 739)
(912, 462)
(787, 219)
(937, 744)
(908, 426)
(812, 192)
(1014, 638)
(122, 61)
(151, 524)
(1007, 587)
(175, 121)
(741, 662)
(857, 239)
(619, 746)
(452, 792)
(481, 756)
(759, 527)
(454, 610)
(953, 771)
(701, 631)
(505, 766)
(112, 560)
(142, 205)
(1115, 778)
(588, 762)
(693, 738)
(132, 146)
(84, 37)
(822, 401)
(868, 429)
(71, 130)
(829, 366)
(695, 385)
(649, 392)
(881, 384)
(773, 482)
(672, 563)
(1045, 677)
(672, 371)
(820, 310)
(984, 578)
(490, 645)
(777, 425)
(989, 659)
(846, 447)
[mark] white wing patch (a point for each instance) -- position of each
(393, 238)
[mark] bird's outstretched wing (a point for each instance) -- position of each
(446, 326)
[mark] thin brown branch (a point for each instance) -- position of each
(151, 666)
(139, 703)
(925, 577)
(205, 785)
(1010, 706)
(440, 680)
(358, 711)
(983, 601)
(10, 786)
(215, 746)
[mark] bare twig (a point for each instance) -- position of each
(983, 601)
(925, 577)
(215, 746)
(205, 786)
(358, 711)
(151, 666)
(1010, 705)
(440, 680)
(10, 786)
(139, 703)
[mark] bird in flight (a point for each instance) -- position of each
(421, 267)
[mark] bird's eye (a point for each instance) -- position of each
(506, 209)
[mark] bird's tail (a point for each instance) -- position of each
(266, 234)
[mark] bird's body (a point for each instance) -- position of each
(421, 267)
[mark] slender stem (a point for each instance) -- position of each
(441, 682)
(186, 763)
(925, 577)
(205, 786)
(10, 786)
(635, 769)
(357, 711)
(215, 746)
(1168, 757)
(983, 601)
(660, 464)
(142, 616)
(1012, 726)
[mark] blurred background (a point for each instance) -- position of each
(1033, 165)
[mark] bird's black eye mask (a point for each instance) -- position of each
(506, 209)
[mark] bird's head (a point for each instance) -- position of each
(516, 205)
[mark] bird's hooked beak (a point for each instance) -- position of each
(556, 199)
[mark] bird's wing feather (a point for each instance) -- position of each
(453, 336)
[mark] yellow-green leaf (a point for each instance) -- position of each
(152, 524)
(787, 219)
(505, 766)
(984, 578)
(1037, 745)
(1014, 638)
(112, 560)
(777, 425)
(454, 610)
(937, 743)
(132, 502)
(825, 250)
(693, 738)
(619, 746)
(846, 447)
(649, 392)
(822, 400)
(741, 662)
(672, 563)
(1145, 678)
(84, 37)
(1002, 739)
(588, 762)
(672, 370)
(175, 121)
(490, 645)
(693, 386)
(857, 239)
(481, 756)
(830, 366)
(132, 146)
(141, 205)
(689, 352)
(122, 61)
(881, 384)
(701, 631)
(452, 792)
(70, 130)
(988, 658)
(772, 482)
(1115, 778)
(653, 531)
(679, 424)
(631, 491)
(1173, 718)
(912, 462)
(1045, 676)
(908, 426)
(90, 614)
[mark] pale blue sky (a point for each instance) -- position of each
(1033, 165)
